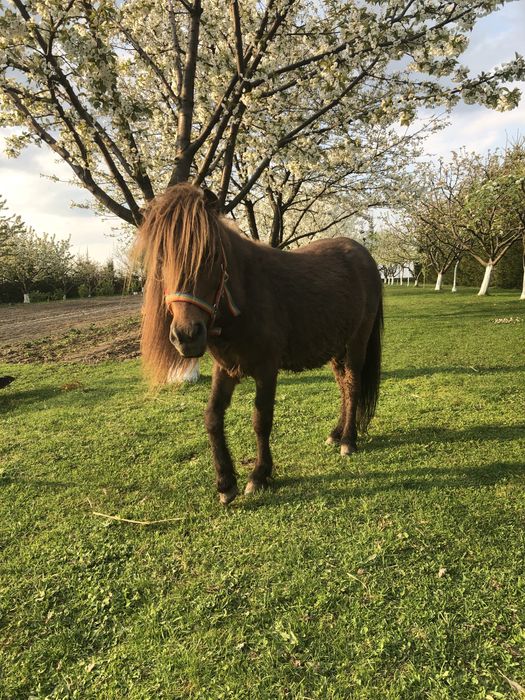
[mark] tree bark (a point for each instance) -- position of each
(484, 289)
(522, 297)
(185, 153)
(27, 300)
(439, 281)
(454, 287)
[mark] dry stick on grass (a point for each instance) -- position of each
(128, 520)
(136, 522)
(519, 689)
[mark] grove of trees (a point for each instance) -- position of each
(301, 116)
(38, 267)
(297, 113)
(472, 206)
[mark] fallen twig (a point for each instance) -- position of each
(519, 689)
(136, 522)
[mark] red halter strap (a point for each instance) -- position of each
(211, 310)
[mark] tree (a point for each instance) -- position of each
(138, 95)
(28, 262)
(392, 253)
(432, 214)
(61, 265)
(493, 207)
(106, 279)
(10, 226)
(471, 205)
(315, 192)
(515, 165)
(87, 272)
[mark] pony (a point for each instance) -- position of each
(257, 310)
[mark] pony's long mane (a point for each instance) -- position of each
(178, 236)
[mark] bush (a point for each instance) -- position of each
(105, 289)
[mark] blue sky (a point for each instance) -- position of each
(46, 205)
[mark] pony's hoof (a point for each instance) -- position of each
(347, 450)
(331, 441)
(228, 496)
(254, 487)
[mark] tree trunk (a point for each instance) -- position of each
(454, 287)
(26, 298)
(484, 289)
(522, 297)
(439, 280)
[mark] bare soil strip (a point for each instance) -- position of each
(80, 330)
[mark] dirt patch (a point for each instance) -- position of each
(86, 331)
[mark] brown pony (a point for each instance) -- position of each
(257, 310)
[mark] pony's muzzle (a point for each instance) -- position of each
(189, 341)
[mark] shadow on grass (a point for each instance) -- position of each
(334, 487)
(413, 372)
(408, 373)
(70, 395)
(426, 436)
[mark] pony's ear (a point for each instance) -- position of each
(211, 201)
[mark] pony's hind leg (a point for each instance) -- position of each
(262, 424)
(352, 388)
(221, 393)
(339, 373)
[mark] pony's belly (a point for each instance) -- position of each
(298, 362)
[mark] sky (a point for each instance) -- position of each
(46, 205)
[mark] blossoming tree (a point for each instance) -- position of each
(136, 95)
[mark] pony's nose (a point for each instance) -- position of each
(188, 335)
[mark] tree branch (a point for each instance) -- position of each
(83, 174)
(184, 155)
(236, 18)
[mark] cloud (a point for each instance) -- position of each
(477, 129)
(46, 205)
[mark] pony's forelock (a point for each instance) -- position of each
(177, 238)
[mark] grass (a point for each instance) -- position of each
(397, 574)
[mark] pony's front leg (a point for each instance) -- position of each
(221, 393)
(262, 424)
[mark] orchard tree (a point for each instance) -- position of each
(29, 261)
(432, 213)
(136, 95)
(10, 227)
(390, 250)
(61, 265)
(87, 273)
(493, 208)
(514, 161)
(315, 192)
(472, 204)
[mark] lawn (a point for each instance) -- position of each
(398, 573)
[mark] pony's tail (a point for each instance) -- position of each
(371, 373)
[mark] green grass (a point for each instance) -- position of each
(399, 573)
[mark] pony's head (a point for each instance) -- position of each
(184, 259)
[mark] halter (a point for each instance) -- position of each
(210, 309)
